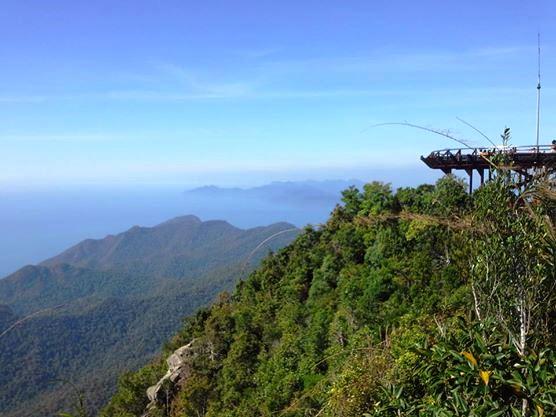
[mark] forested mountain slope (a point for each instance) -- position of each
(389, 309)
(6, 316)
(177, 248)
(115, 302)
(138, 262)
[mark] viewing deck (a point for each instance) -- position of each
(521, 159)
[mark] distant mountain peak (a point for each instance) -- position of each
(187, 219)
(159, 250)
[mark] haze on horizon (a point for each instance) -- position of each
(247, 92)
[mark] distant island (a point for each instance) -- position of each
(284, 192)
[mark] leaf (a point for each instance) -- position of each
(496, 413)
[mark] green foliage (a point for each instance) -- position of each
(116, 312)
(131, 387)
(514, 250)
(501, 364)
(389, 309)
(329, 325)
(470, 371)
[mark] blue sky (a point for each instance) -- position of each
(244, 92)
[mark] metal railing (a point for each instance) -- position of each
(458, 154)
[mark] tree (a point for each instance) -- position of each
(513, 271)
(513, 264)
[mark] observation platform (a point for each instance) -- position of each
(521, 159)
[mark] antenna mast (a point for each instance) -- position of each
(538, 88)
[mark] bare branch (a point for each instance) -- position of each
(478, 131)
(446, 134)
(246, 262)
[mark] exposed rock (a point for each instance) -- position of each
(178, 370)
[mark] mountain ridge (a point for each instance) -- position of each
(140, 247)
(122, 296)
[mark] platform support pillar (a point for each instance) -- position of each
(470, 173)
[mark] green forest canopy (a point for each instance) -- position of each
(406, 303)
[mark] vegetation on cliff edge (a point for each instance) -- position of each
(422, 302)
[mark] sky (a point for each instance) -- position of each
(246, 92)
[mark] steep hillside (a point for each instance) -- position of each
(35, 286)
(384, 311)
(6, 317)
(118, 299)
